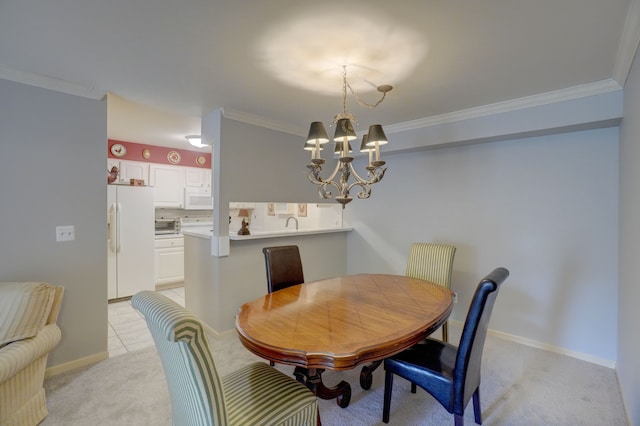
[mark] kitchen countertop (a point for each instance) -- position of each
(255, 235)
(164, 236)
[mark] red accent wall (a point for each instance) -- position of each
(160, 154)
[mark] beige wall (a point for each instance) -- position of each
(252, 163)
(52, 172)
(546, 208)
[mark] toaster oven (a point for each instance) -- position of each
(167, 226)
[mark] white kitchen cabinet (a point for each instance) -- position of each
(169, 260)
(168, 184)
(197, 178)
(128, 170)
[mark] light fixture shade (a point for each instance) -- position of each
(344, 129)
(338, 148)
(363, 146)
(317, 133)
(376, 134)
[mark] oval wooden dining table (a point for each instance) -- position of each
(340, 323)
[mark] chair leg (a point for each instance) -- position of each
(477, 413)
(445, 333)
(414, 388)
(388, 386)
(458, 420)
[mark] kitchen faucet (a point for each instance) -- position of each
(286, 225)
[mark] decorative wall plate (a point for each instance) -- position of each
(201, 160)
(173, 157)
(118, 150)
(146, 154)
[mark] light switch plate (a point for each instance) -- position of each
(65, 233)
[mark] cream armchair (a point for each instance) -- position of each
(28, 332)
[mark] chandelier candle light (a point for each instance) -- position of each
(344, 133)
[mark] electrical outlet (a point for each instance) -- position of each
(65, 233)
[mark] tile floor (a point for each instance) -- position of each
(127, 328)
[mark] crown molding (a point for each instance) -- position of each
(628, 43)
(571, 93)
(50, 83)
(575, 92)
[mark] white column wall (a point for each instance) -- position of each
(628, 365)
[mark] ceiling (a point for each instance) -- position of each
(280, 61)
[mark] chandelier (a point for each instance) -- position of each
(344, 133)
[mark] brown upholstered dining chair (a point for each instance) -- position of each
(284, 267)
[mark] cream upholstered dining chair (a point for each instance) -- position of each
(255, 394)
(432, 262)
(427, 261)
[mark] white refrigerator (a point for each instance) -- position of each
(130, 240)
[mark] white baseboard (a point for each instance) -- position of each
(545, 346)
(218, 334)
(101, 356)
(75, 364)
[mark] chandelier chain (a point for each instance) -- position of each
(360, 101)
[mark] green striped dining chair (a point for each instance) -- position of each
(427, 261)
(255, 394)
(432, 262)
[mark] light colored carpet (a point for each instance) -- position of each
(520, 386)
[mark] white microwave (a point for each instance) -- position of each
(198, 199)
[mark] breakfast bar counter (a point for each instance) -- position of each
(258, 235)
(216, 286)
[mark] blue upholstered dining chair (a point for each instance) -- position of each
(450, 374)
(255, 394)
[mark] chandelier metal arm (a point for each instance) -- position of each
(345, 169)
(375, 174)
(314, 177)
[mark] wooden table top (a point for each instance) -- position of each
(341, 322)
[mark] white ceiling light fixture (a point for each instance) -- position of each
(196, 140)
(344, 133)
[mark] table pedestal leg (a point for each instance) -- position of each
(312, 378)
(366, 375)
